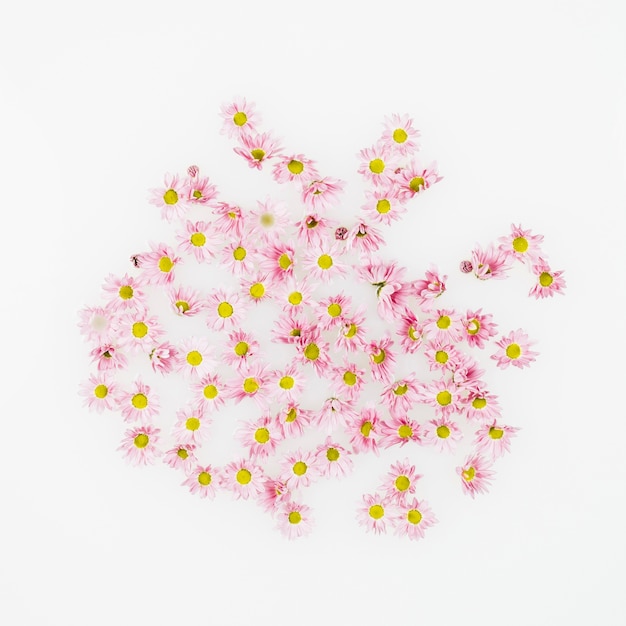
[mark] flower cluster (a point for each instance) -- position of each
(296, 266)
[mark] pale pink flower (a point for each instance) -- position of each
(125, 293)
(466, 372)
(139, 445)
(444, 325)
(322, 194)
(157, 266)
(381, 359)
(494, 439)
(294, 520)
(322, 262)
(261, 436)
(295, 295)
(288, 383)
(269, 220)
(314, 230)
(171, 198)
(198, 239)
(352, 336)
(95, 324)
(274, 493)
(332, 311)
(185, 301)
(208, 392)
(191, 425)
(195, 356)
(413, 518)
(364, 431)
(383, 205)
(239, 257)
(398, 431)
(137, 331)
(429, 288)
(548, 282)
(202, 480)
(476, 475)
(334, 413)
(391, 290)
(230, 219)
(443, 395)
(377, 165)
(479, 328)
(399, 135)
(290, 327)
(364, 239)
(139, 404)
(333, 460)
(482, 406)
(415, 178)
(241, 348)
(258, 148)
(278, 260)
(374, 512)
(181, 457)
(107, 357)
(521, 245)
(400, 481)
(164, 358)
(442, 433)
(295, 167)
(99, 392)
(199, 190)
(441, 355)
(294, 419)
(256, 288)
(514, 350)
(400, 396)
(348, 380)
(240, 116)
(226, 309)
(313, 350)
(490, 263)
(243, 478)
(251, 382)
(411, 332)
(299, 469)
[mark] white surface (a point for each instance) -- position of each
(523, 107)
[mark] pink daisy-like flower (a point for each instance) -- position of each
(482, 406)
(400, 396)
(373, 513)
(313, 350)
(294, 520)
(399, 135)
(124, 293)
(139, 445)
(429, 288)
(322, 194)
(290, 328)
(377, 165)
(261, 436)
(494, 439)
(413, 518)
(382, 360)
(278, 260)
(415, 178)
(171, 198)
(514, 350)
(191, 426)
(392, 292)
(352, 336)
(364, 239)
(251, 382)
(466, 372)
(299, 469)
(181, 457)
(274, 493)
(442, 433)
(256, 288)
(195, 356)
(398, 431)
(198, 239)
(548, 282)
(186, 302)
(257, 148)
(199, 190)
(209, 392)
(479, 328)
(107, 357)
(95, 324)
(164, 358)
(226, 309)
(99, 392)
(441, 355)
(314, 230)
(240, 116)
(139, 404)
(383, 205)
(332, 311)
(295, 295)
(322, 262)
(442, 394)
(230, 220)
(138, 331)
(332, 459)
(334, 413)
(400, 481)
(411, 332)
(241, 348)
(364, 430)
(269, 220)
(476, 475)
(288, 384)
(238, 257)
(157, 266)
(294, 419)
(202, 480)
(521, 245)
(444, 325)
(490, 263)
(243, 478)
(348, 380)
(295, 167)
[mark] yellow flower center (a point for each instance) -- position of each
(262, 435)
(520, 244)
(140, 330)
(101, 391)
(332, 454)
(312, 222)
(257, 154)
(473, 327)
(225, 309)
(441, 357)
(284, 261)
(291, 415)
(400, 390)
(210, 392)
(379, 357)
(257, 290)
(126, 292)
(165, 264)
(142, 440)
(286, 382)
(416, 183)
(376, 511)
(182, 453)
(312, 352)
(182, 306)
(383, 206)
(479, 403)
(351, 331)
(295, 167)
(198, 239)
(204, 478)
(192, 423)
(295, 298)
(325, 261)
(240, 118)
(294, 517)
(334, 309)
(414, 516)
(496, 433)
(444, 397)
(243, 477)
(412, 334)
(402, 483)
(366, 429)
(405, 431)
(194, 358)
(170, 197)
(469, 474)
(300, 468)
(139, 401)
(197, 194)
(443, 322)
(443, 432)
(513, 351)
(377, 166)
(241, 349)
(250, 385)
(545, 279)
(349, 378)
(400, 135)
(239, 253)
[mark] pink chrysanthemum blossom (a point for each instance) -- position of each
(413, 518)
(240, 116)
(251, 382)
(274, 493)
(322, 194)
(411, 332)
(288, 384)
(258, 148)
(364, 431)
(441, 355)
(364, 239)
(269, 220)
(299, 469)
(243, 478)
(442, 433)
(95, 324)
(278, 260)
(294, 419)
(444, 325)
(322, 262)
(191, 426)
(208, 392)
(400, 481)
(479, 328)
(256, 288)
(382, 360)
(494, 439)
(334, 413)
(521, 245)
(383, 205)
(332, 311)
(241, 348)
(314, 230)
(185, 302)
(139, 404)
(198, 239)
(443, 395)
(548, 282)
(294, 168)
(391, 290)
(199, 190)
(466, 372)
(482, 406)
(171, 198)
(352, 336)
(295, 295)
(377, 165)
(157, 266)
(239, 257)
(290, 328)
(124, 293)
(294, 520)
(398, 431)
(139, 445)
(476, 475)
(429, 288)
(107, 357)
(374, 512)
(99, 392)
(400, 396)
(195, 356)
(348, 380)
(490, 263)
(202, 480)
(230, 220)
(313, 350)
(333, 460)
(261, 436)
(138, 331)
(164, 358)
(181, 457)
(226, 309)
(399, 135)
(514, 350)
(416, 178)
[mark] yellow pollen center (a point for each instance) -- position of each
(351, 331)
(443, 432)
(192, 423)
(402, 483)
(334, 309)
(210, 392)
(142, 440)
(165, 264)
(444, 397)
(416, 183)
(312, 222)
(170, 197)
(400, 390)
(194, 358)
(240, 118)
(295, 298)
(441, 357)
(443, 322)
(379, 357)
(286, 382)
(325, 261)
(332, 454)
(520, 244)
(513, 351)
(181, 453)
(349, 378)
(496, 433)
(405, 431)
(204, 478)
(300, 468)
(291, 415)
(225, 309)
(182, 306)
(366, 428)
(377, 511)
(267, 220)
(295, 167)
(262, 435)
(140, 330)
(545, 279)
(284, 262)
(198, 239)
(383, 206)
(294, 517)
(312, 352)
(257, 290)
(479, 403)
(241, 349)
(377, 166)
(400, 135)
(101, 391)
(412, 334)
(126, 292)
(257, 154)
(139, 401)
(473, 327)
(414, 516)
(250, 385)
(239, 253)
(469, 474)
(197, 194)
(243, 477)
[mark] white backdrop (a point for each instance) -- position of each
(522, 105)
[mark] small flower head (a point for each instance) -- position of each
(373, 513)
(400, 481)
(494, 440)
(521, 245)
(548, 282)
(139, 445)
(240, 116)
(476, 475)
(202, 480)
(139, 404)
(294, 520)
(514, 349)
(257, 148)
(333, 460)
(100, 392)
(412, 519)
(244, 478)
(181, 457)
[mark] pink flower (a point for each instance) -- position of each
(364, 430)
(352, 336)
(482, 406)
(391, 290)
(490, 263)
(400, 396)
(348, 380)
(441, 355)
(429, 288)
(365, 239)
(277, 259)
(383, 205)
(322, 263)
(138, 331)
(475, 475)
(442, 433)
(208, 392)
(239, 116)
(332, 311)
(479, 328)
(399, 430)
(288, 384)
(299, 469)
(514, 350)
(410, 331)
(494, 439)
(125, 293)
(171, 198)
(198, 239)
(521, 245)
(230, 220)
(108, 357)
(399, 135)
(138, 404)
(290, 327)
(185, 301)
(261, 436)
(400, 481)
(444, 325)
(181, 457)
(548, 282)
(199, 191)
(195, 357)
(257, 148)
(413, 519)
(334, 413)
(226, 309)
(382, 360)
(243, 478)
(373, 513)
(202, 480)
(377, 165)
(295, 295)
(164, 358)
(294, 520)
(95, 324)
(415, 178)
(191, 426)
(314, 350)
(274, 493)
(157, 266)
(238, 257)
(442, 394)
(268, 221)
(322, 193)
(332, 459)
(294, 419)
(314, 230)
(242, 348)
(295, 167)
(99, 392)
(252, 382)
(256, 288)
(139, 445)
(466, 373)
